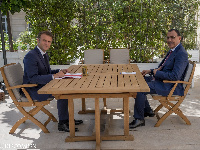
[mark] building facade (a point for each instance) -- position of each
(18, 24)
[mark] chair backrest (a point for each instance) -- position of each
(189, 75)
(119, 56)
(94, 56)
(13, 75)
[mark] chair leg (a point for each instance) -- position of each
(83, 111)
(16, 125)
(156, 111)
(22, 120)
(180, 113)
(38, 123)
(158, 108)
(165, 115)
(51, 117)
(29, 115)
(172, 108)
(104, 102)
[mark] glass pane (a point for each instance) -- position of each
(4, 26)
(3, 20)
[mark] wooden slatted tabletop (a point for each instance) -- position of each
(103, 81)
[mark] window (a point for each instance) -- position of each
(29, 27)
(4, 22)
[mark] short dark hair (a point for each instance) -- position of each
(45, 32)
(178, 33)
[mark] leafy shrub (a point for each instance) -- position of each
(26, 38)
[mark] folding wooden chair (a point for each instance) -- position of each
(13, 78)
(119, 56)
(166, 101)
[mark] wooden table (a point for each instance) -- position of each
(103, 81)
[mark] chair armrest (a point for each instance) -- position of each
(21, 86)
(178, 81)
(174, 87)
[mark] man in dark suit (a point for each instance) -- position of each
(37, 71)
(172, 67)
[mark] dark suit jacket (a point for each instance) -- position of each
(36, 72)
(173, 69)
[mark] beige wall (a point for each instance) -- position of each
(18, 24)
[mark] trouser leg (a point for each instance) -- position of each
(62, 106)
(147, 107)
(141, 102)
(139, 106)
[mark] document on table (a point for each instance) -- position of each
(128, 73)
(71, 75)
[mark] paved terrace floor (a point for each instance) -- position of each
(172, 134)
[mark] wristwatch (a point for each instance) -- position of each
(151, 71)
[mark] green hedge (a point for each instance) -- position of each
(140, 25)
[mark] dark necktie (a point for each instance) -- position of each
(46, 61)
(167, 57)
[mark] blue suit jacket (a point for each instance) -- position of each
(174, 69)
(36, 72)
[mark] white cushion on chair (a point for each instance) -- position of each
(119, 56)
(93, 56)
(188, 73)
(14, 74)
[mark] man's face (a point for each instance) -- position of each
(44, 42)
(173, 39)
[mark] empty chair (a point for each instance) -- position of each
(119, 56)
(13, 78)
(93, 56)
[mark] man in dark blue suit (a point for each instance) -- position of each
(37, 71)
(172, 67)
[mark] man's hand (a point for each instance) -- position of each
(65, 71)
(144, 72)
(155, 70)
(60, 74)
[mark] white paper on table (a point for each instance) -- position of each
(128, 73)
(71, 75)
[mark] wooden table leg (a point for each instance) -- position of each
(126, 116)
(71, 117)
(97, 124)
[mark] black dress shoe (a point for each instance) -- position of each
(150, 114)
(136, 123)
(77, 122)
(65, 127)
